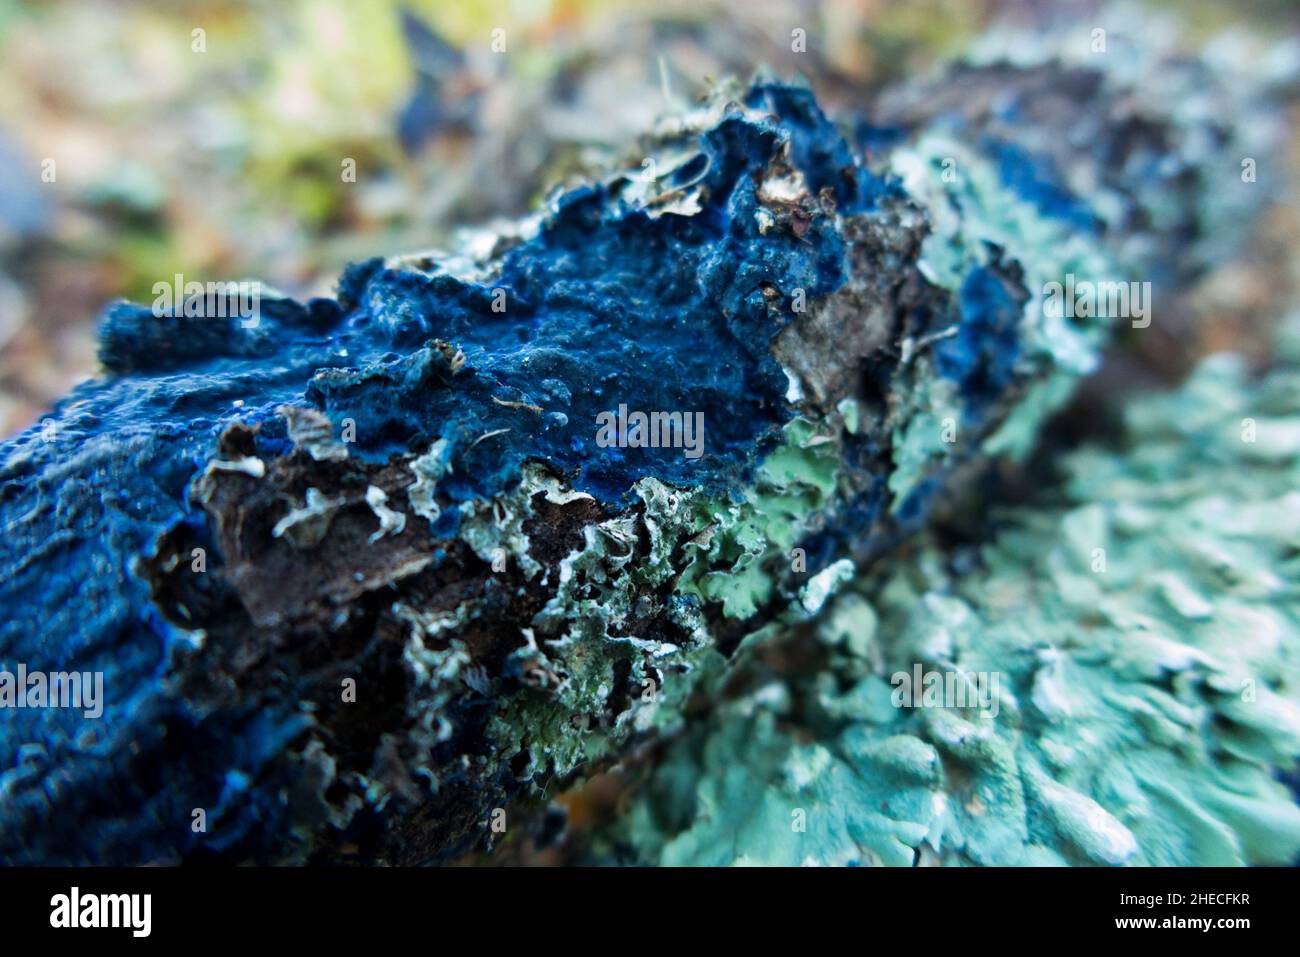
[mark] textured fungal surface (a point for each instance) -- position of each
(645, 477)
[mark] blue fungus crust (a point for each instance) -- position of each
(820, 151)
(981, 354)
(604, 301)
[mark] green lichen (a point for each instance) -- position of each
(1147, 637)
(698, 547)
(929, 416)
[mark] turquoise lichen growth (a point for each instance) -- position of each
(1147, 636)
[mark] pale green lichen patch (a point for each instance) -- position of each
(622, 641)
(428, 468)
(495, 528)
(929, 415)
(732, 544)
